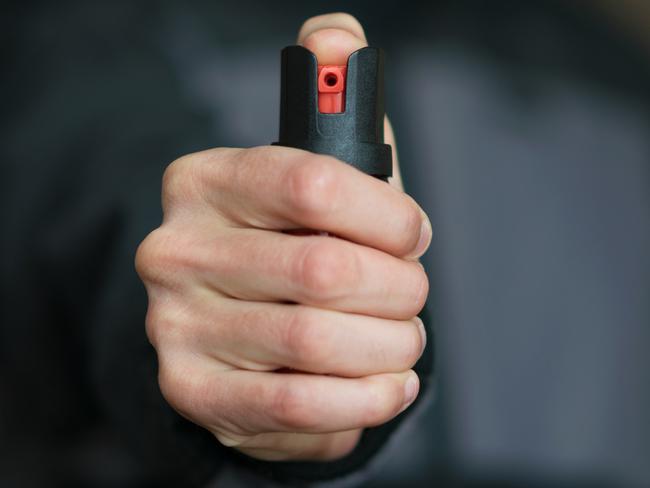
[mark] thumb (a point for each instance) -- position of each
(332, 38)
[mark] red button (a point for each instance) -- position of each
(331, 89)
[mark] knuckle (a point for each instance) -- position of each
(151, 256)
(167, 323)
(177, 388)
(292, 409)
(312, 188)
(187, 391)
(144, 257)
(235, 168)
(262, 157)
(327, 270)
(158, 256)
(305, 339)
(188, 178)
(178, 180)
(154, 325)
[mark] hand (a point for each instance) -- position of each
(286, 346)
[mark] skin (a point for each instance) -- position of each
(286, 346)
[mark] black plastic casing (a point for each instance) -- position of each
(355, 136)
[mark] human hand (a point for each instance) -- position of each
(286, 346)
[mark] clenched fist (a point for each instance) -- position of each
(285, 345)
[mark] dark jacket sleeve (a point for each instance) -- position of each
(124, 365)
(87, 136)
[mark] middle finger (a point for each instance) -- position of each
(321, 271)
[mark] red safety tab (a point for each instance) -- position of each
(331, 89)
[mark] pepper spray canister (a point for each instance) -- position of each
(336, 110)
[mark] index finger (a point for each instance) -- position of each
(280, 188)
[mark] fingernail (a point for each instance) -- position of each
(423, 332)
(425, 238)
(411, 388)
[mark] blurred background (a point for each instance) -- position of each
(523, 130)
